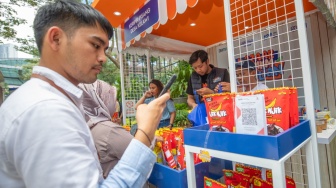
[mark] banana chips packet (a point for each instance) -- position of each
(219, 108)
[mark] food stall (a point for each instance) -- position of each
(275, 30)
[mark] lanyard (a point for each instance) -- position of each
(52, 84)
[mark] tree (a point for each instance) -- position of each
(28, 45)
(9, 19)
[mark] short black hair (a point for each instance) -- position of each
(201, 54)
(69, 15)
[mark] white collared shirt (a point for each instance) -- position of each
(45, 141)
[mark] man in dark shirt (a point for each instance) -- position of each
(205, 78)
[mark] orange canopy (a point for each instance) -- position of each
(208, 15)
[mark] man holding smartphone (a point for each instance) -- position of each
(205, 77)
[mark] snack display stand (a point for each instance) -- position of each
(262, 151)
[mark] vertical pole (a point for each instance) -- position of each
(307, 84)
(149, 75)
(122, 83)
(190, 168)
(230, 47)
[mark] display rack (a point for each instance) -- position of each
(263, 151)
(250, 23)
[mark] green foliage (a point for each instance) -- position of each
(183, 72)
(28, 68)
(9, 19)
(6, 90)
(181, 118)
(181, 106)
(131, 121)
(138, 85)
(110, 73)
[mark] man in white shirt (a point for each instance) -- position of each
(246, 77)
(44, 139)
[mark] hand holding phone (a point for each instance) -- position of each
(168, 85)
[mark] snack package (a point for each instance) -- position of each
(290, 183)
(248, 170)
(219, 108)
(294, 107)
(269, 175)
(210, 183)
(236, 179)
(258, 182)
(167, 150)
(277, 108)
(181, 163)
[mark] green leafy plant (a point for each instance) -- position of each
(181, 118)
(183, 71)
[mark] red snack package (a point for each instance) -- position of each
(166, 148)
(269, 175)
(210, 183)
(181, 164)
(277, 110)
(248, 170)
(236, 179)
(258, 182)
(196, 158)
(290, 183)
(219, 108)
(294, 105)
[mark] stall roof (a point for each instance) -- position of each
(207, 14)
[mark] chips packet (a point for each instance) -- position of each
(248, 170)
(236, 179)
(277, 108)
(210, 183)
(219, 108)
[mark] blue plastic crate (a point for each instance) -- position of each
(165, 177)
(269, 147)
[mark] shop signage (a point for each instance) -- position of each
(130, 108)
(146, 17)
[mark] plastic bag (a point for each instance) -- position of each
(198, 115)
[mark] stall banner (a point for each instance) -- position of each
(146, 17)
(130, 108)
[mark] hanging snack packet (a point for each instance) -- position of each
(236, 179)
(248, 170)
(219, 108)
(210, 183)
(290, 183)
(277, 109)
(269, 175)
(258, 182)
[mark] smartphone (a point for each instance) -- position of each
(168, 85)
